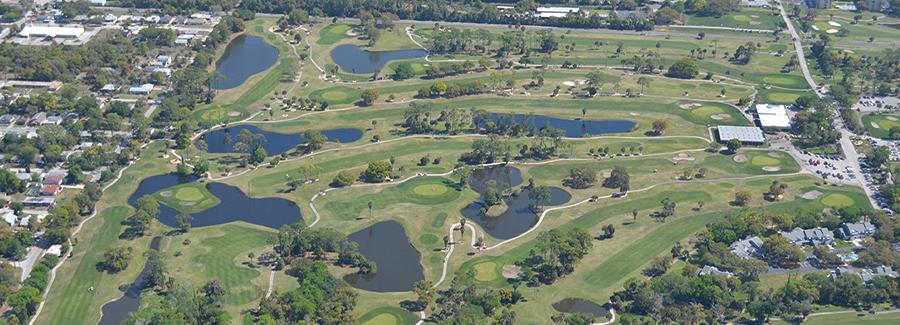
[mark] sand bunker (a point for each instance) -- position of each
(187, 203)
(165, 193)
(573, 83)
(815, 28)
(740, 158)
(607, 174)
(874, 125)
(351, 32)
(811, 195)
(689, 105)
(634, 114)
(771, 168)
(891, 118)
(774, 155)
(234, 114)
(511, 271)
(831, 31)
(835, 24)
(720, 117)
(683, 157)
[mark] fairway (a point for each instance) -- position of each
(879, 125)
(787, 81)
(333, 33)
(383, 319)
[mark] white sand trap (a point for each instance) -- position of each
(720, 117)
(740, 158)
(890, 118)
(634, 114)
(815, 27)
(874, 125)
(165, 193)
(689, 105)
(848, 51)
(607, 174)
(351, 32)
(832, 31)
(683, 157)
(771, 168)
(811, 195)
(568, 83)
(234, 114)
(774, 155)
(511, 271)
(835, 24)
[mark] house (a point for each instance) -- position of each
(884, 270)
(50, 189)
(712, 270)
(773, 116)
(41, 31)
(38, 118)
(878, 5)
(52, 120)
(55, 250)
(141, 90)
(856, 230)
(162, 61)
(556, 12)
(39, 202)
(98, 2)
(184, 39)
(9, 217)
(8, 119)
(866, 275)
(109, 88)
(747, 248)
(815, 236)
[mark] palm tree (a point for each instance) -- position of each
(462, 228)
(370, 209)
(634, 214)
(644, 82)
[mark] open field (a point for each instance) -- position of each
(746, 18)
(879, 125)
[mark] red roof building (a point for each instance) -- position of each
(50, 189)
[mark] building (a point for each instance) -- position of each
(53, 180)
(856, 230)
(44, 202)
(28, 84)
(184, 39)
(141, 90)
(815, 236)
(712, 270)
(556, 12)
(745, 134)
(9, 217)
(878, 5)
(817, 4)
(747, 248)
(52, 120)
(98, 2)
(8, 119)
(866, 275)
(109, 88)
(40, 31)
(773, 116)
(50, 189)
(755, 3)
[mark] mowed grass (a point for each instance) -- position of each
(744, 18)
(388, 316)
(879, 125)
(837, 200)
(420, 190)
(215, 253)
(336, 95)
(333, 33)
(779, 96)
(189, 197)
(851, 318)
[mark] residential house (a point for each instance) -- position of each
(141, 90)
(856, 230)
(712, 270)
(39, 202)
(50, 189)
(9, 217)
(747, 248)
(53, 180)
(815, 236)
(8, 119)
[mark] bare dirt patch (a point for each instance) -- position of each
(811, 195)
(683, 157)
(511, 271)
(740, 158)
(607, 174)
(771, 168)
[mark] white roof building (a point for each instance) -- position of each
(556, 12)
(52, 31)
(773, 116)
(142, 89)
(745, 134)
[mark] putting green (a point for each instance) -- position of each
(486, 271)
(428, 239)
(334, 95)
(430, 189)
(707, 111)
(382, 319)
(741, 18)
(837, 200)
(785, 81)
(764, 161)
(339, 29)
(782, 98)
(189, 194)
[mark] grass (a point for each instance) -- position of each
(188, 197)
(333, 33)
(388, 316)
(745, 18)
(779, 96)
(486, 271)
(851, 318)
(837, 200)
(883, 122)
(408, 192)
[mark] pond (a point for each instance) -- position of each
(245, 56)
(574, 128)
(114, 312)
(353, 59)
(580, 306)
(396, 259)
(234, 205)
(519, 216)
(222, 140)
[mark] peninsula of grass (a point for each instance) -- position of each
(419, 190)
(879, 125)
(187, 198)
(333, 33)
(388, 316)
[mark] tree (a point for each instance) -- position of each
(659, 126)
(377, 171)
(425, 293)
(343, 178)
(539, 196)
(315, 140)
(581, 178)
(741, 198)
(776, 190)
(116, 259)
(74, 176)
(733, 145)
(403, 71)
(618, 178)
(781, 253)
(369, 96)
(183, 222)
(608, 231)
(644, 81)
(684, 69)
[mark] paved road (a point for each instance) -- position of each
(27, 264)
(149, 112)
(846, 144)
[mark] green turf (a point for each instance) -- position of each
(188, 197)
(884, 123)
(388, 316)
(837, 200)
(486, 271)
(404, 193)
(333, 33)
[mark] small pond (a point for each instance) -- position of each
(234, 205)
(573, 128)
(353, 59)
(114, 312)
(518, 217)
(222, 140)
(245, 56)
(397, 261)
(580, 306)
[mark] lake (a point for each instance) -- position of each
(114, 312)
(397, 260)
(222, 140)
(245, 56)
(580, 306)
(353, 59)
(574, 128)
(234, 205)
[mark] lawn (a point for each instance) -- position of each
(420, 190)
(879, 125)
(852, 318)
(333, 33)
(388, 316)
(779, 96)
(745, 18)
(187, 198)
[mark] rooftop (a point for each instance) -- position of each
(742, 133)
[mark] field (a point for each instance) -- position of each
(425, 195)
(879, 125)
